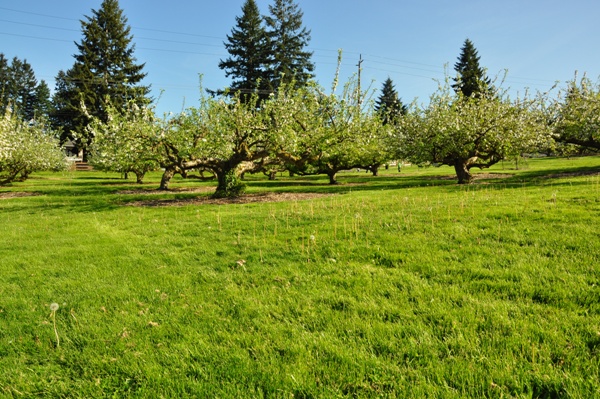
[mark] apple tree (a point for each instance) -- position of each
(221, 134)
(578, 115)
(471, 132)
(126, 142)
(26, 147)
(323, 133)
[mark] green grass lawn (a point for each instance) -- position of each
(404, 285)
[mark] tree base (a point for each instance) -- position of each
(463, 174)
(230, 185)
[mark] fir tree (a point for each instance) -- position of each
(43, 104)
(4, 84)
(248, 48)
(23, 87)
(471, 78)
(65, 111)
(389, 105)
(105, 69)
(288, 40)
(20, 90)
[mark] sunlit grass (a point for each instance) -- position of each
(402, 285)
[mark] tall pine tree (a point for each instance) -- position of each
(471, 77)
(43, 103)
(65, 113)
(248, 50)
(23, 87)
(104, 68)
(4, 84)
(389, 105)
(288, 40)
(20, 90)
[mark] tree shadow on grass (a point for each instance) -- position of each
(104, 193)
(558, 173)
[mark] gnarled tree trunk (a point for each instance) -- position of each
(462, 172)
(166, 178)
(332, 179)
(229, 184)
(139, 177)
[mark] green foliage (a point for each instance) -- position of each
(289, 61)
(471, 78)
(220, 134)
(41, 104)
(467, 132)
(267, 52)
(323, 133)
(66, 112)
(248, 48)
(230, 185)
(389, 106)
(127, 142)
(26, 147)
(4, 83)
(20, 90)
(105, 67)
(577, 119)
(406, 286)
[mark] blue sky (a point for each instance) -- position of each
(539, 42)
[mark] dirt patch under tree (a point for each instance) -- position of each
(244, 199)
(17, 194)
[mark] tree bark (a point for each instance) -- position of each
(332, 179)
(463, 173)
(166, 178)
(229, 184)
(139, 177)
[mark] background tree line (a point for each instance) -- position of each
(21, 91)
(267, 51)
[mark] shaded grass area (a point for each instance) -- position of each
(403, 285)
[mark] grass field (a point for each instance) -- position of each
(405, 285)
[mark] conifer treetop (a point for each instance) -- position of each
(288, 38)
(389, 105)
(105, 69)
(247, 47)
(471, 77)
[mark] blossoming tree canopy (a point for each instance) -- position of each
(467, 132)
(26, 147)
(578, 117)
(127, 141)
(323, 133)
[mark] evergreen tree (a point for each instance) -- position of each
(23, 87)
(20, 90)
(288, 39)
(42, 104)
(4, 84)
(65, 111)
(471, 78)
(248, 48)
(105, 69)
(389, 105)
